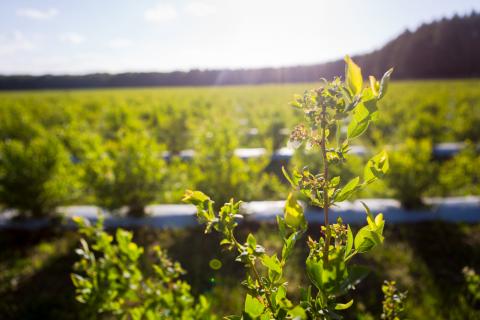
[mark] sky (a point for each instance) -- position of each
(84, 36)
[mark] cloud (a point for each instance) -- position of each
(37, 14)
(72, 38)
(14, 43)
(160, 13)
(119, 43)
(200, 9)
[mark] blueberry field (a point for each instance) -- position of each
(122, 150)
(95, 144)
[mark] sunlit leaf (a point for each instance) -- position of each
(348, 189)
(343, 306)
(356, 129)
(376, 167)
(253, 307)
(294, 216)
(384, 83)
(353, 76)
(272, 263)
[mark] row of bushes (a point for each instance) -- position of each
(129, 171)
(414, 174)
(105, 147)
(42, 173)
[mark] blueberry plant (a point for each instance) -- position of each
(328, 265)
(36, 176)
(110, 281)
(469, 301)
(129, 172)
(393, 302)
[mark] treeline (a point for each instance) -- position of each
(449, 48)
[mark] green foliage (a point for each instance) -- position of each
(127, 172)
(193, 118)
(218, 171)
(411, 255)
(472, 280)
(412, 172)
(18, 124)
(328, 265)
(266, 296)
(393, 302)
(36, 176)
(110, 279)
(171, 128)
(460, 175)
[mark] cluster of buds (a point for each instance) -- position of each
(297, 136)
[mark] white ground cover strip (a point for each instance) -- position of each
(455, 209)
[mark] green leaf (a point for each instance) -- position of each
(384, 83)
(315, 272)
(380, 223)
(343, 306)
(272, 263)
(366, 239)
(335, 181)
(282, 228)
(353, 76)
(363, 241)
(374, 85)
(288, 245)
(287, 176)
(348, 190)
(195, 197)
(294, 216)
(371, 106)
(362, 112)
(297, 313)
(356, 128)
(365, 112)
(367, 210)
(349, 244)
(253, 307)
(79, 281)
(279, 295)
(225, 242)
(376, 167)
(306, 294)
(251, 241)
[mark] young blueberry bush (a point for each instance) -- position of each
(110, 281)
(36, 176)
(129, 172)
(393, 302)
(469, 300)
(216, 157)
(328, 265)
(412, 173)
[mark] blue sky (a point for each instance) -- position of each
(67, 36)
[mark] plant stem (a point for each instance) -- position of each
(255, 272)
(256, 275)
(326, 201)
